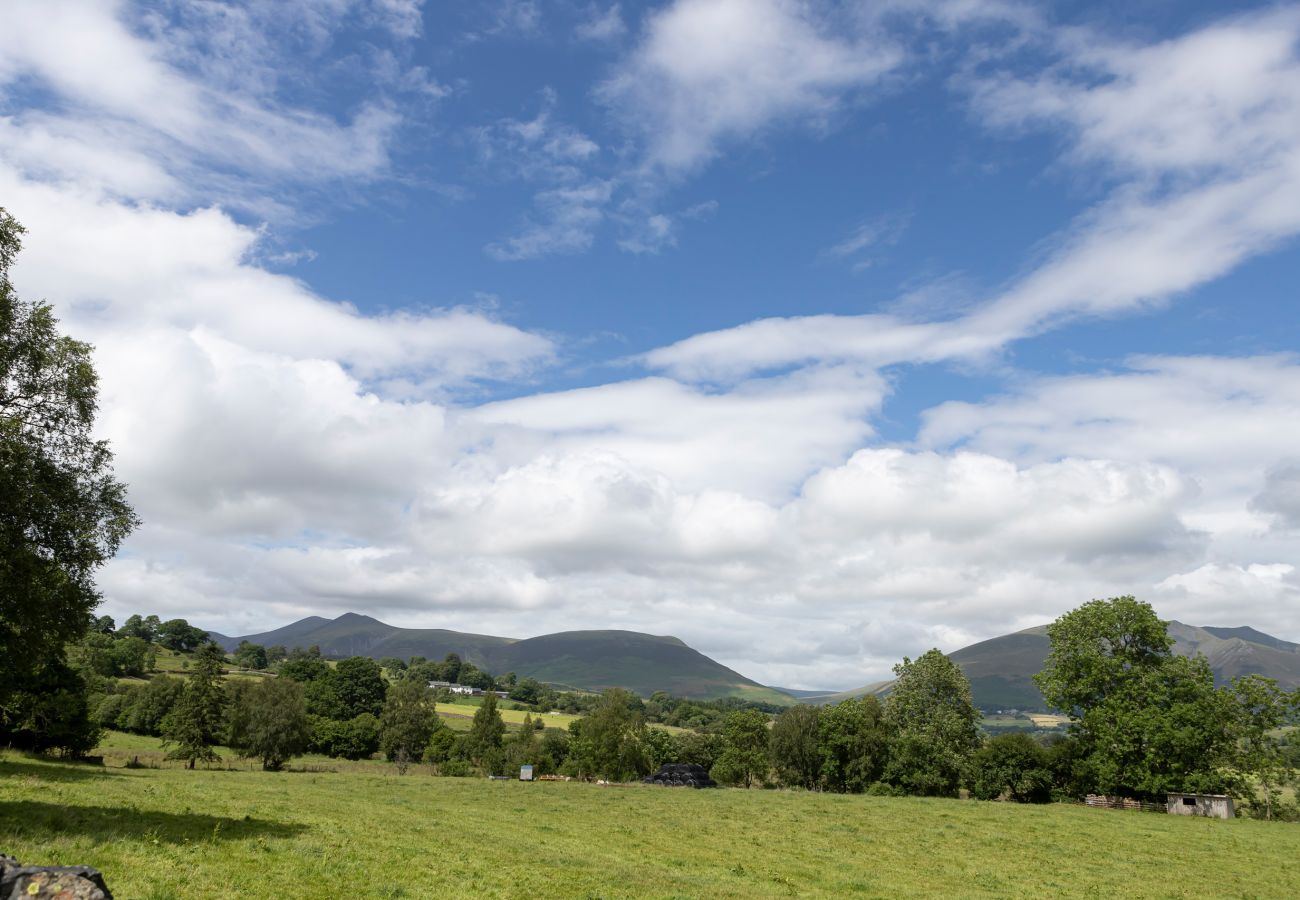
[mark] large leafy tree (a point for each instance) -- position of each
(854, 743)
(745, 759)
(62, 513)
(359, 687)
(407, 723)
(268, 721)
(610, 742)
(1146, 721)
(934, 725)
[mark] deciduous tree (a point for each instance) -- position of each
(933, 726)
(62, 513)
(268, 721)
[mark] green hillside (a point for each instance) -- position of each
(587, 660)
(1001, 669)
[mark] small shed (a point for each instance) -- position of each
(525, 773)
(1213, 806)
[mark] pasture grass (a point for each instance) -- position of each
(366, 832)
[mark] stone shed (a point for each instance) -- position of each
(1213, 806)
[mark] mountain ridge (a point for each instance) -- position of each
(1001, 669)
(587, 660)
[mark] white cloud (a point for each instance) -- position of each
(602, 24)
(709, 73)
(172, 118)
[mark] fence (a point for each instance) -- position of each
(1102, 801)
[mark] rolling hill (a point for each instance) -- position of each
(1001, 669)
(587, 660)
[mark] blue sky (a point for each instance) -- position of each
(816, 334)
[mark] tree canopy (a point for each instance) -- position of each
(62, 513)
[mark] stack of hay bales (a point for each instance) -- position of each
(681, 775)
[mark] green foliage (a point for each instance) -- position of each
(110, 656)
(250, 656)
(394, 665)
(303, 665)
(64, 514)
(1099, 649)
(744, 759)
(1013, 765)
(484, 742)
(934, 726)
(195, 724)
(407, 722)
(148, 705)
(442, 744)
(144, 628)
(268, 721)
(610, 742)
(529, 690)
(181, 636)
(1144, 721)
(359, 687)
(50, 711)
(796, 746)
(854, 743)
(698, 748)
(357, 738)
(1260, 750)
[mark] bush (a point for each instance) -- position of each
(1013, 765)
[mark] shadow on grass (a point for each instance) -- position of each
(37, 820)
(53, 770)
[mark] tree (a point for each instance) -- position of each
(934, 726)
(1097, 649)
(610, 742)
(854, 744)
(357, 738)
(1013, 765)
(394, 665)
(180, 636)
(133, 657)
(194, 725)
(304, 665)
(1144, 721)
(407, 723)
(745, 759)
(486, 735)
(51, 711)
(149, 705)
(62, 513)
(250, 656)
(796, 747)
(1261, 708)
(526, 691)
(268, 721)
(359, 687)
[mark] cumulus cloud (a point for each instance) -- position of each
(707, 73)
(292, 454)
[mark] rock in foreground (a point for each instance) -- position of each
(19, 882)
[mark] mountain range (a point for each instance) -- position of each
(1000, 669)
(587, 660)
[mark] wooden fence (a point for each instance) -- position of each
(1104, 802)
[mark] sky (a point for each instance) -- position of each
(814, 334)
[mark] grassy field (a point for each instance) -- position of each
(363, 832)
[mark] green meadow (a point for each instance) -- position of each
(361, 830)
